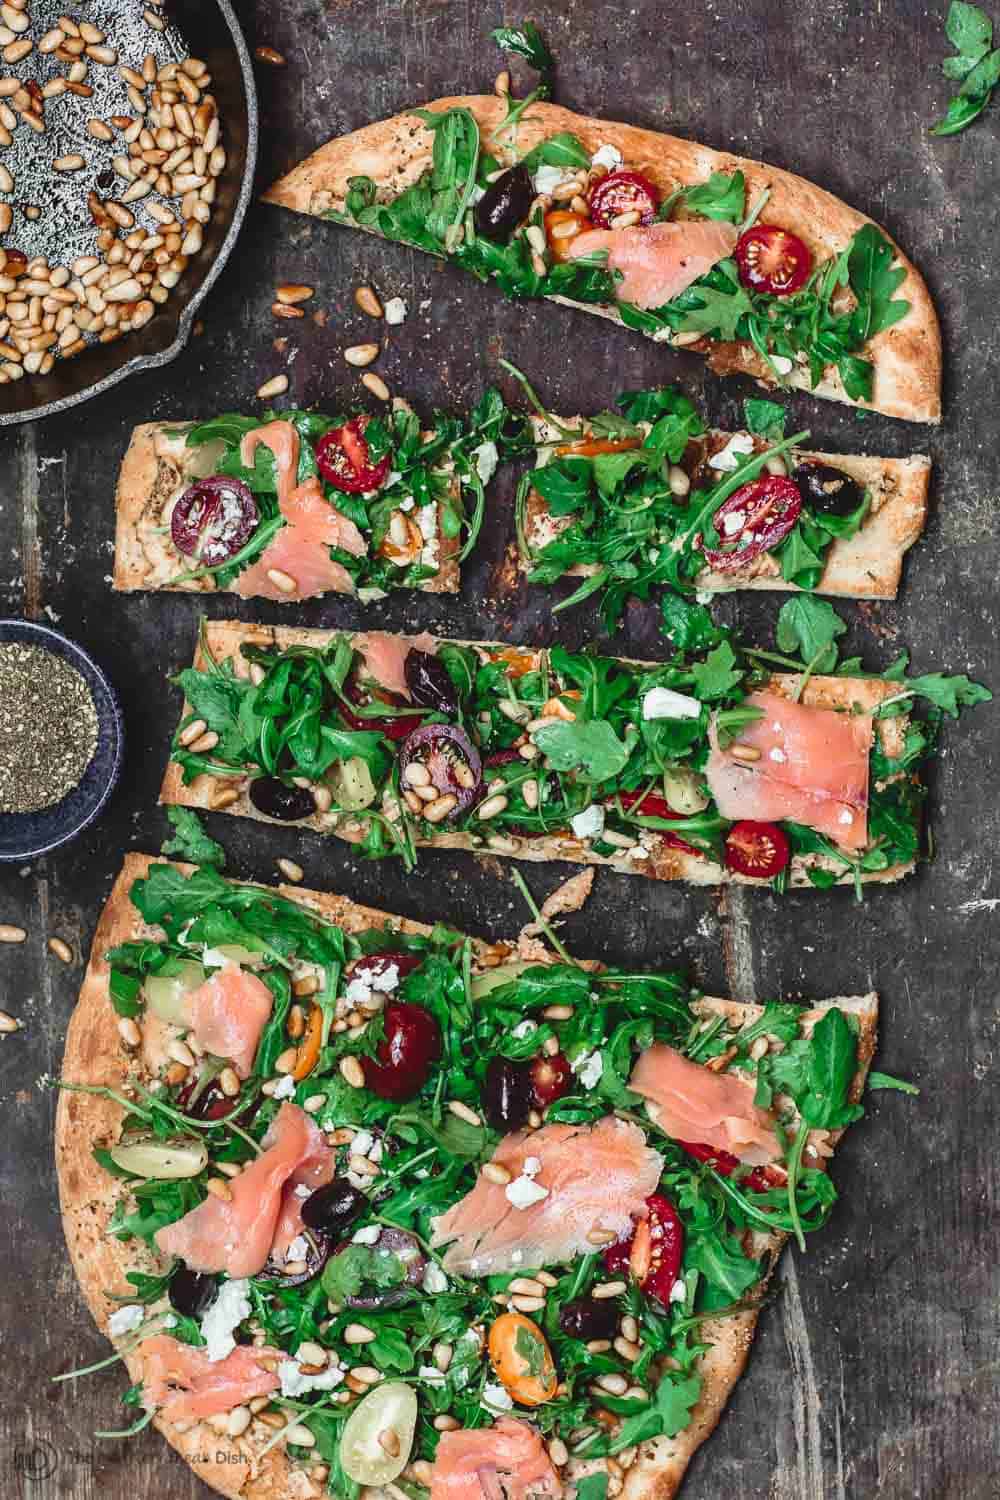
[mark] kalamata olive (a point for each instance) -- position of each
(213, 519)
(373, 967)
(319, 1248)
(828, 489)
(429, 682)
(192, 1293)
(333, 1208)
(275, 799)
(407, 1250)
(402, 1062)
(505, 204)
(507, 1094)
(585, 1318)
(449, 758)
(551, 1078)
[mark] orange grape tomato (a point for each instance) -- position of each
(561, 228)
(522, 1359)
(308, 1052)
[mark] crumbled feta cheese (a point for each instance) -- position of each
(664, 703)
(588, 824)
(302, 1191)
(487, 458)
(295, 1383)
(362, 1143)
(532, 1166)
(170, 1321)
(212, 959)
(125, 1320)
(678, 1291)
(226, 1313)
(371, 595)
(704, 596)
(516, 1257)
(523, 1192)
(358, 991)
(524, 1028)
(394, 477)
(637, 851)
(474, 197)
(778, 755)
(607, 156)
(728, 458)
(395, 311)
(408, 503)
(782, 364)
(733, 522)
(386, 981)
(298, 1249)
(366, 1236)
(285, 1088)
(431, 1374)
(846, 817)
(427, 520)
(434, 1278)
(546, 178)
(589, 1068)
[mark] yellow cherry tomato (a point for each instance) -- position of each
(522, 1359)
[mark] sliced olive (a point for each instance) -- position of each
(163, 1160)
(507, 1094)
(352, 784)
(192, 1292)
(377, 1439)
(288, 804)
(492, 979)
(588, 1319)
(334, 1207)
(828, 489)
(165, 994)
(682, 789)
(505, 204)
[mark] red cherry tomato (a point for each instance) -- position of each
(758, 849)
(343, 459)
(394, 728)
(726, 1164)
(772, 260)
(551, 1078)
(654, 806)
(623, 193)
(754, 519)
(402, 1063)
(652, 1255)
(213, 519)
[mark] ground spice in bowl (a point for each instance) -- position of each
(48, 728)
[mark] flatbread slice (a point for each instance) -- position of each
(395, 153)
(223, 640)
(237, 1466)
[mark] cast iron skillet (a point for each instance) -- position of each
(212, 32)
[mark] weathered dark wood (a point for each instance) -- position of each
(876, 1372)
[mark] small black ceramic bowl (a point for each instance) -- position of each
(25, 835)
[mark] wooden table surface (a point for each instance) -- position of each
(875, 1374)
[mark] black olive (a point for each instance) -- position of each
(828, 489)
(505, 204)
(587, 1319)
(507, 1094)
(429, 682)
(332, 1208)
(192, 1293)
(289, 804)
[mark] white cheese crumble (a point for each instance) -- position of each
(777, 755)
(371, 595)
(497, 1398)
(532, 1166)
(846, 817)
(607, 156)
(782, 364)
(733, 522)
(431, 1374)
(588, 824)
(298, 1249)
(225, 1315)
(125, 1320)
(362, 1143)
(295, 1383)
(427, 520)
(728, 458)
(395, 311)
(366, 1236)
(589, 1068)
(678, 1291)
(285, 1088)
(664, 703)
(487, 458)
(524, 1028)
(434, 1278)
(212, 959)
(546, 178)
(523, 1192)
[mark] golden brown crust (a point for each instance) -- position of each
(395, 152)
(94, 1056)
(224, 638)
(157, 467)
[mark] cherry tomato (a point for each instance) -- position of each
(772, 260)
(726, 1164)
(551, 1078)
(412, 1042)
(344, 461)
(758, 849)
(623, 193)
(652, 1255)
(520, 1355)
(394, 728)
(754, 519)
(654, 806)
(561, 228)
(403, 554)
(213, 519)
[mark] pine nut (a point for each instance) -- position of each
(546, 1278)
(352, 1072)
(627, 1348)
(598, 1346)
(357, 1333)
(193, 731)
(685, 340)
(238, 1421)
(776, 465)
(416, 774)
(129, 1032)
(269, 55)
(323, 798)
(301, 1435)
(605, 1289)
(376, 385)
(158, 23)
(529, 791)
(274, 387)
(307, 985)
(680, 484)
(314, 1104)
(463, 1112)
(535, 235)
(567, 230)
(439, 809)
(11, 934)
(494, 1172)
(219, 1188)
(744, 752)
(442, 1355)
(229, 1082)
(626, 220)
(181, 1052)
(226, 798)
(292, 292)
(491, 807)
(614, 1384)
(286, 1062)
(630, 1328)
(61, 950)
(501, 83)
(204, 743)
(527, 1304)
(283, 581)
(361, 354)
(51, 40)
(558, 1013)
(445, 1422)
(367, 299)
(291, 870)
(558, 1452)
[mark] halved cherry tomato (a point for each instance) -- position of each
(561, 228)
(308, 1050)
(623, 193)
(652, 1255)
(344, 461)
(392, 728)
(654, 806)
(520, 1354)
(726, 1164)
(754, 519)
(772, 260)
(402, 1061)
(551, 1078)
(758, 849)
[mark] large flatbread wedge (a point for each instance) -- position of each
(158, 467)
(866, 566)
(394, 153)
(223, 639)
(235, 1467)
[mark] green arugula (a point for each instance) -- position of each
(526, 41)
(810, 626)
(191, 842)
(764, 418)
(975, 65)
(592, 746)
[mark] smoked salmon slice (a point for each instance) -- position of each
(385, 657)
(184, 1385)
(227, 1015)
(236, 1236)
(658, 261)
(283, 441)
(307, 563)
(314, 1171)
(691, 1103)
(507, 1461)
(587, 1178)
(813, 769)
(313, 517)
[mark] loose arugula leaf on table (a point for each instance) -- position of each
(191, 842)
(973, 65)
(718, 674)
(526, 41)
(810, 627)
(764, 418)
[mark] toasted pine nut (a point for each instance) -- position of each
(283, 581)
(439, 809)
(463, 1112)
(61, 950)
(558, 1013)
(626, 220)
(361, 354)
(494, 1172)
(290, 870)
(291, 292)
(129, 1032)
(11, 934)
(367, 300)
(229, 1082)
(219, 1188)
(744, 752)
(357, 1333)
(352, 1072)
(605, 1289)
(192, 732)
(445, 1422)
(491, 807)
(501, 83)
(270, 56)
(286, 1062)
(274, 387)
(527, 1304)
(376, 385)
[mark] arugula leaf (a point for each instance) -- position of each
(809, 627)
(949, 693)
(565, 484)
(591, 745)
(973, 65)
(721, 1260)
(969, 30)
(561, 150)
(721, 197)
(191, 842)
(357, 1266)
(765, 418)
(718, 674)
(832, 1061)
(687, 625)
(668, 1414)
(877, 1080)
(526, 41)
(709, 309)
(592, 1487)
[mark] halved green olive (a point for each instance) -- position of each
(164, 1160)
(352, 784)
(165, 994)
(492, 979)
(682, 789)
(377, 1439)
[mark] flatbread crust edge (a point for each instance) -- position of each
(94, 1055)
(224, 638)
(867, 566)
(395, 152)
(147, 479)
